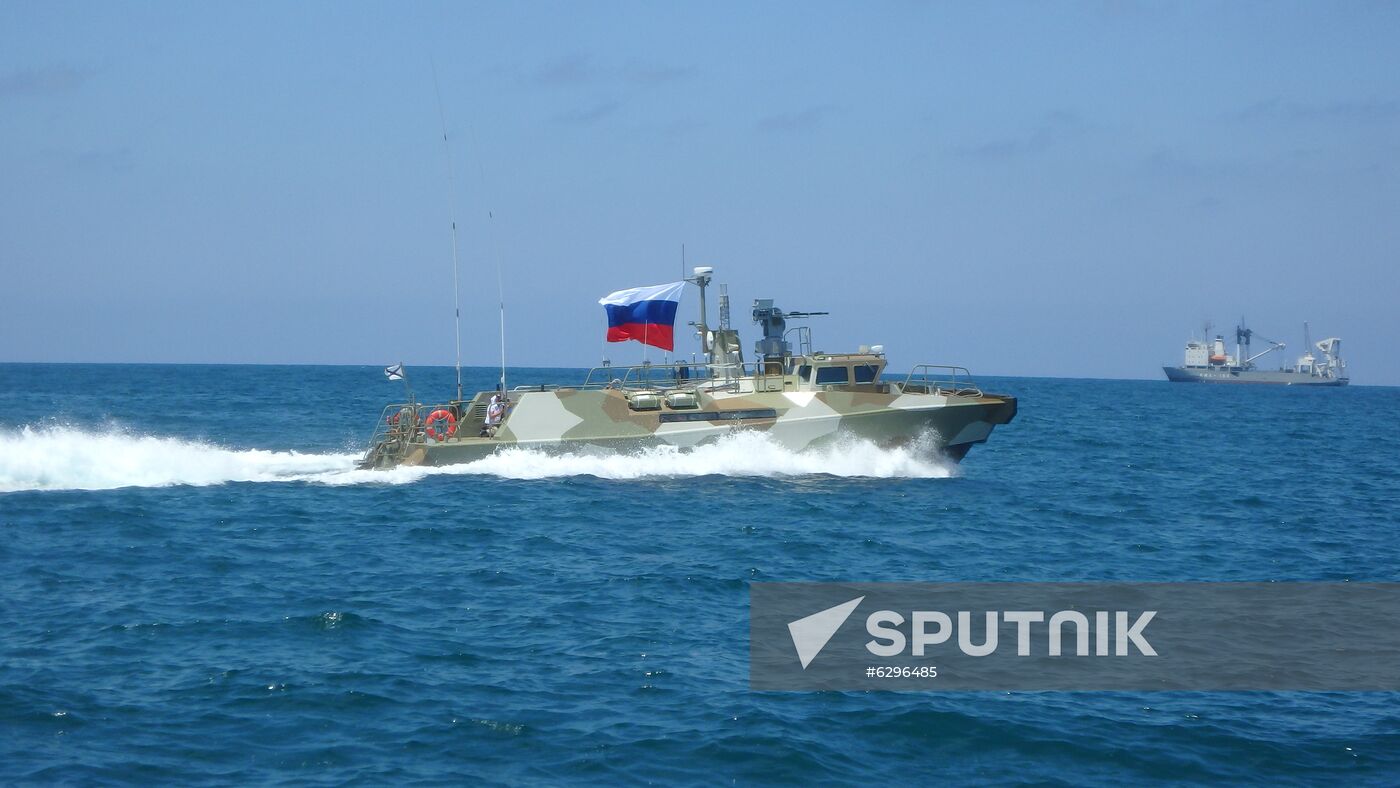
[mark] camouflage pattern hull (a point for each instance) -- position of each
(609, 418)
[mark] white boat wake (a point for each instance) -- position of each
(67, 458)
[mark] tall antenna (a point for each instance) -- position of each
(501, 298)
(452, 201)
(492, 251)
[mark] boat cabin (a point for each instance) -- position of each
(841, 371)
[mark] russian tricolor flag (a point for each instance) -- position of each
(646, 314)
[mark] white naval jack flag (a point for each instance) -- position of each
(395, 372)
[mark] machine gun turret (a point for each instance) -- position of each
(773, 346)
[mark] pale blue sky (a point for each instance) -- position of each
(1033, 189)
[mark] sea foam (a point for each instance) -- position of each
(66, 458)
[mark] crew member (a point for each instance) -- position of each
(494, 413)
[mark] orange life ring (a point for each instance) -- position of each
(436, 431)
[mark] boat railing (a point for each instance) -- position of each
(392, 434)
(941, 379)
(684, 375)
(404, 423)
(691, 375)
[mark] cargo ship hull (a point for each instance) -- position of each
(1249, 376)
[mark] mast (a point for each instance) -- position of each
(1308, 349)
(702, 279)
(452, 203)
(501, 296)
(494, 252)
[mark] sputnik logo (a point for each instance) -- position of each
(811, 634)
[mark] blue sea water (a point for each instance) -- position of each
(195, 587)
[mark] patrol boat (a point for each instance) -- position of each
(802, 399)
(1212, 363)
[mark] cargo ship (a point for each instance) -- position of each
(1210, 362)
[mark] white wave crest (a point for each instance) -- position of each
(741, 453)
(62, 458)
(65, 458)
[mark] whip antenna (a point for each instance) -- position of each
(493, 251)
(501, 294)
(452, 203)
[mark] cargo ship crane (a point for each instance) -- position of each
(1242, 341)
